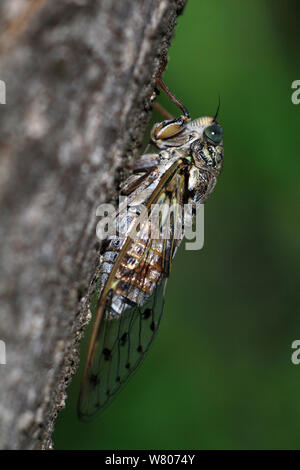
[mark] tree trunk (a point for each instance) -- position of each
(78, 76)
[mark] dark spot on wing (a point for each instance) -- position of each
(107, 354)
(147, 313)
(152, 326)
(139, 349)
(123, 339)
(94, 380)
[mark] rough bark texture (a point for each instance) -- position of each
(79, 75)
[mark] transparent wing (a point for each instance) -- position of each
(123, 342)
(129, 309)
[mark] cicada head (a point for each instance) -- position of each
(201, 140)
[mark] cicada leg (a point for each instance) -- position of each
(171, 131)
(162, 85)
(172, 97)
(162, 111)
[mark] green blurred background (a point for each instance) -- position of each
(219, 375)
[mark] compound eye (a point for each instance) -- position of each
(214, 133)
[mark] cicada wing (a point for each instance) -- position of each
(122, 344)
(129, 309)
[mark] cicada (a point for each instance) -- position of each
(135, 266)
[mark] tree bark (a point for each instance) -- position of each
(79, 75)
